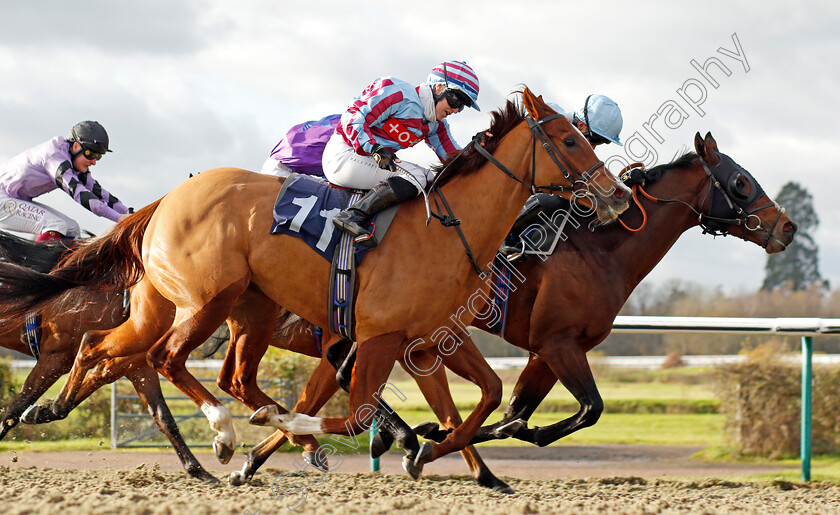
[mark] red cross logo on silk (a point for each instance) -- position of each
(400, 133)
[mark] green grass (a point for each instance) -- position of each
(616, 428)
(76, 444)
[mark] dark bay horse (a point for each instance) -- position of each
(207, 241)
(566, 303)
(61, 335)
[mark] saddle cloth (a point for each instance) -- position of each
(305, 208)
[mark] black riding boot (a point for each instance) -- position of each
(382, 196)
(530, 214)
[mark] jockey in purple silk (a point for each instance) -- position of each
(58, 163)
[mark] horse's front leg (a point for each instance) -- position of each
(570, 365)
(318, 390)
(532, 386)
(435, 388)
(374, 361)
(251, 325)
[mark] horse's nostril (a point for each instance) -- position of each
(789, 227)
(619, 193)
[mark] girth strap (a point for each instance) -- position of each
(32, 333)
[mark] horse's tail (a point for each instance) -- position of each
(109, 262)
(40, 256)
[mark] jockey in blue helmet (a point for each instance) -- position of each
(599, 120)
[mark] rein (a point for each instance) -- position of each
(743, 217)
(537, 131)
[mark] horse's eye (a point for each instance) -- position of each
(569, 141)
(739, 186)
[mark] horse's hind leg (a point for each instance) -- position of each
(50, 366)
(435, 388)
(151, 314)
(319, 389)
(146, 383)
(169, 355)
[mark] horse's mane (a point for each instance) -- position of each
(503, 121)
(655, 173)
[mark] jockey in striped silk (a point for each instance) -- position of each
(390, 115)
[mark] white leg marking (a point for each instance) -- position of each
(297, 423)
(221, 422)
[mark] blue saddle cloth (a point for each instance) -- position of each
(305, 208)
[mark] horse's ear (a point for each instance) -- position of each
(711, 144)
(707, 148)
(712, 158)
(535, 105)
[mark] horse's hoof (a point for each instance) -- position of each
(503, 488)
(209, 479)
(237, 478)
(511, 428)
(425, 428)
(30, 415)
(224, 452)
(415, 467)
(262, 416)
(317, 460)
(382, 441)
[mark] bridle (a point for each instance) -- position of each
(538, 132)
(725, 207)
(577, 180)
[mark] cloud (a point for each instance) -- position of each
(89, 28)
(186, 86)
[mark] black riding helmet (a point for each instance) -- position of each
(91, 136)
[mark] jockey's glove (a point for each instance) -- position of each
(384, 158)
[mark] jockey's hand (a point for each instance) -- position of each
(481, 137)
(385, 158)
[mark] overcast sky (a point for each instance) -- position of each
(184, 86)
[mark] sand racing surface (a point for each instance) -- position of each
(564, 479)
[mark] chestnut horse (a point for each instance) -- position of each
(567, 302)
(207, 241)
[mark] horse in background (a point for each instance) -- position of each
(566, 304)
(61, 334)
